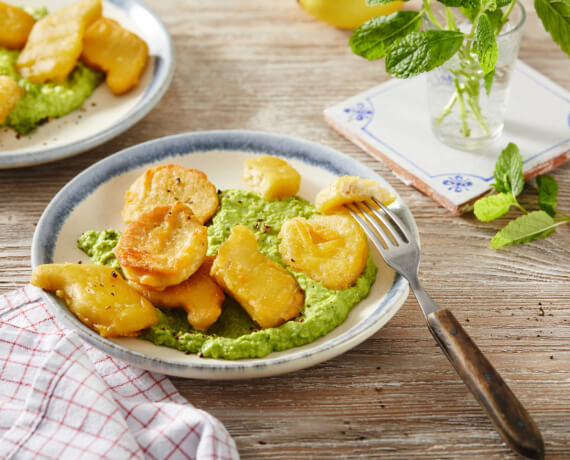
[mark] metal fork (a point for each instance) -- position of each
(401, 251)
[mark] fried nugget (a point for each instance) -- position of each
(167, 184)
(99, 297)
(121, 54)
(10, 95)
(55, 42)
(162, 247)
(264, 289)
(200, 296)
(347, 189)
(329, 249)
(272, 177)
(15, 26)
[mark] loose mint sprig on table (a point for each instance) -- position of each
(409, 51)
(531, 225)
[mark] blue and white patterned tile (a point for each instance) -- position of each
(391, 122)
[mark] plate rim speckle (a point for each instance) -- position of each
(163, 72)
(181, 145)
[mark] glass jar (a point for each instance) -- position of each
(466, 108)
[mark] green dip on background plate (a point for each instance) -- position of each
(43, 101)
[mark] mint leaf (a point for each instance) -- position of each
(496, 18)
(462, 3)
(528, 227)
(501, 3)
(492, 207)
(488, 78)
(508, 171)
(373, 38)
(381, 2)
(485, 45)
(547, 192)
(421, 51)
(555, 16)
(469, 13)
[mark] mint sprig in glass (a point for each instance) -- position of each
(469, 48)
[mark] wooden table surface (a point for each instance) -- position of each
(269, 66)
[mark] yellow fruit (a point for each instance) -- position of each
(56, 41)
(347, 189)
(264, 289)
(98, 296)
(329, 249)
(121, 54)
(346, 14)
(271, 177)
(10, 94)
(15, 26)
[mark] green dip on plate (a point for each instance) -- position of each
(234, 335)
(49, 100)
(43, 101)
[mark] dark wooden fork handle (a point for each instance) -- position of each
(508, 415)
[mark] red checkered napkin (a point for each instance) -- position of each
(61, 398)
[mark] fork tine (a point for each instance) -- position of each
(389, 227)
(368, 215)
(399, 224)
(358, 216)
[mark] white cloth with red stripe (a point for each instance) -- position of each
(61, 398)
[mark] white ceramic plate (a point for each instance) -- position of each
(94, 199)
(103, 115)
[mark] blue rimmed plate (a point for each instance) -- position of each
(103, 115)
(94, 199)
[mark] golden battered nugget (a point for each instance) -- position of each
(271, 177)
(15, 26)
(10, 95)
(200, 296)
(99, 297)
(329, 249)
(162, 247)
(121, 54)
(165, 185)
(55, 42)
(347, 189)
(264, 289)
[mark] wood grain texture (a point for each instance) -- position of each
(269, 66)
(509, 416)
